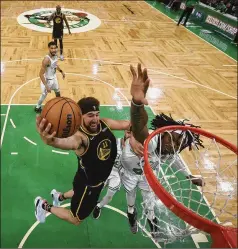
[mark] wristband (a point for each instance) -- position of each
(133, 102)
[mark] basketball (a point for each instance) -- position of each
(64, 114)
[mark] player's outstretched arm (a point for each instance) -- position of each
(139, 116)
(69, 143)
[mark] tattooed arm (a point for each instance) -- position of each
(139, 116)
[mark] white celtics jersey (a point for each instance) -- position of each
(131, 162)
(50, 71)
(117, 164)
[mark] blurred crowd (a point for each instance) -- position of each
(224, 6)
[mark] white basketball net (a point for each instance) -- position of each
(216, 201)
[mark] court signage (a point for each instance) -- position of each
(221, 25)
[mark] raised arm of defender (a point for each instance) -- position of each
(139, 116)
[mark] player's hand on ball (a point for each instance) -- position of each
(44, 130)
(139, 85)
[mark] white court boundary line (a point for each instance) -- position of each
(60, 152)
(30, 141)
(28, 233)
(9, 107)
(12, 123)
(153, 70)
(191, 32)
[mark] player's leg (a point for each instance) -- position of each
(42, 207)
(114, 184)
(61, 47)
(59, 197)
(83, 207)
(149, 204)
(129, 182)
(44, 93)
(55, 87)
(189, 12)
(181, 17)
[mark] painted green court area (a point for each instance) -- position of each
(36, 170)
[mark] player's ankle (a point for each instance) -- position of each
(62, 197)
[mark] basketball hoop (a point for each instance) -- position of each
(184, 206)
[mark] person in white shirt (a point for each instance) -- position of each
(48, 75)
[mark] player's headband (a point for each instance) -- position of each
(89, 108)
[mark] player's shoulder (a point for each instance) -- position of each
(46, 60)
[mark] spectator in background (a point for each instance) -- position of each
(221, 7)
(190, 4)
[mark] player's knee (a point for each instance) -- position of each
(44, 94)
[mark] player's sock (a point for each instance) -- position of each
(57, 94)
(46, 206)
(153, 225)
(132, 218)
(41, 99)
(130, 209)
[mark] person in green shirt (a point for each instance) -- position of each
(190, 4)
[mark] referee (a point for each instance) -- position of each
(190, 4)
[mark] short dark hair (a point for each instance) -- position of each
(162, 120)
(52, 43)
(89, 104)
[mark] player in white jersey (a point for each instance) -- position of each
(48, 75)
(133, 176)
(114, 180)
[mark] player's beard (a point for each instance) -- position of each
(93, 129)
(52, 54)
(58, 12)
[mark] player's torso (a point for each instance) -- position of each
(131, 162)
(50, 71)
(58, 21)
(98, 155)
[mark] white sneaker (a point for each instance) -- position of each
(55, 196)
(61, 57)
(40, 213)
